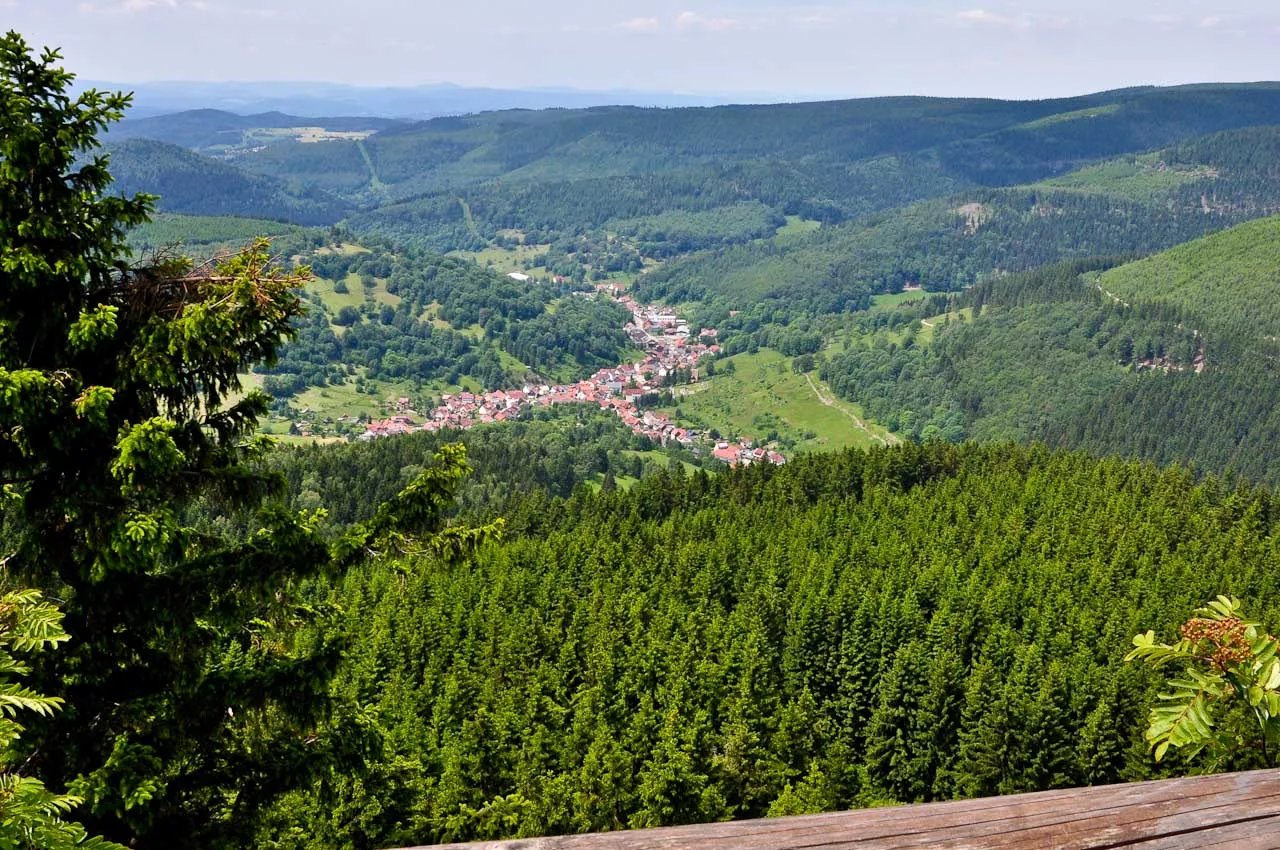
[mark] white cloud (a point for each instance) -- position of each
(127, 7)
(1210, 22)
(982, 16)
(640, 25)
(138, 7)
(693, 20)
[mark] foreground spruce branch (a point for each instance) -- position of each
(33, 816)
(196, 681)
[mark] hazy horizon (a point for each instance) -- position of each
(701, 47)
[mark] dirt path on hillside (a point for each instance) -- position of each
(862, 426)
(1112, 295)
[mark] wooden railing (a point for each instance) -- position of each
(1239, 811)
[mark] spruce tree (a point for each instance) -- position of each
(191, 699)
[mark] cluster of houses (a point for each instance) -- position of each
(745, 454)
(668, 345)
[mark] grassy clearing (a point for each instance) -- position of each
(896, 299)
(796, 228)
(335, 301)
(763, 398)
(624, 482)
(506, 260)
(346, 249)
(355, 296)
(1077, 115)
(342, 401)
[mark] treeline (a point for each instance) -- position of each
(1004, 375)
(201, 233)
(917, 623)
(455, 183)
(552, 452)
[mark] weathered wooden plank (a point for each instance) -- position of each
(1250, 835)
(1227, 810)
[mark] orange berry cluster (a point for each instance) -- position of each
(1230, 646)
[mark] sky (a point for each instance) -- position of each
(1035, 48)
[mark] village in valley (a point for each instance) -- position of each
(669, 346)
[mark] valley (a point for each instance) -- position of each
(374, 481)
(675, 356)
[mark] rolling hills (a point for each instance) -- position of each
(571, 172)
(1172, 358)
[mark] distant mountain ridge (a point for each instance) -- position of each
(411, 102)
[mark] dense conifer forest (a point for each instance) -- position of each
(912, 624)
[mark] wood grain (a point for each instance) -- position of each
(1240, 810)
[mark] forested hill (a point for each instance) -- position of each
(1172, 358)
(1229, 281)
(558, 172)
(916, 623)
(188, 182)
(998, 142)
(1135, 204)
(579, 172)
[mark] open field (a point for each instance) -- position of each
(763, 399)
(306, 135)
(795, 228)
(894, 299)
(355, 295)
(506, 260)
(346, 249)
